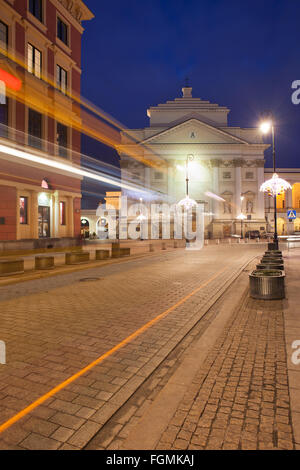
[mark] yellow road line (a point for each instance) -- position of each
(78, 374)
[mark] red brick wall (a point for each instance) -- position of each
(76, 45)
(8, 201)
(21, 6)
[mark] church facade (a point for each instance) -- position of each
(225, 165)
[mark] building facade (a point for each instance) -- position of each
(225, 164)
(40, 46)
(286, 202)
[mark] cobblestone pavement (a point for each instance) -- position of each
(54, 327)
(239, 398)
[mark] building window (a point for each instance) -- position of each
(23, 210)
(62, 31)
(61, 79)
(4, 119)
(34, 61)
(3, 36)
(36, 9)
(249, 175)
(34, 128)
(62, 140)
(158, 175)
(62, 213)
(226, 175)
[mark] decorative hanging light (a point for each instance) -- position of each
(187, 203)
(275, 186)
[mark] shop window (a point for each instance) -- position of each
(3, 36)
(61, 79)
(34, 60)
(34, 128)
(4, 119)
(62, 31)
(62, 140)
(62, 212)
(36, 9)
(23, 210)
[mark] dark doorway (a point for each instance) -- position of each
(44, 222)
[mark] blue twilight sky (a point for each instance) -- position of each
(241, 54)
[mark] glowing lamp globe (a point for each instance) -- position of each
(187, 203)
(275, 186)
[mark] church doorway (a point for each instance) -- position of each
(227, 230)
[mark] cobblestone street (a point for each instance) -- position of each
(239, 398)
(55, 327)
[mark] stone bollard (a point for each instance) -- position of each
(217, 241)
(229, 241)
(206, 242)
(163, 246)
(77, 257)
(175, 244)
(102, 254)
(151, 247)
(44, 262)
(10, 267)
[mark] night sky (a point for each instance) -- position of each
(240, 54)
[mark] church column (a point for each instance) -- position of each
(289, 199)
(147, 177)
(238, 186)
(171, 182)
(215, 184)
(260, 212)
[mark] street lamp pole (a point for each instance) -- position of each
(189, 158)
(275, 194)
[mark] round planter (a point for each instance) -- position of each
(273, 253)
(267, 265)
(269, 259)
(267, 284)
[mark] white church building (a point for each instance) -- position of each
(225, 168)
(225, 161)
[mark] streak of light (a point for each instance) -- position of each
(65, 167)
(214, 196)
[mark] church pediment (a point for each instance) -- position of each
(193, 131)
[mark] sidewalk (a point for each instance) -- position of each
(236, 386)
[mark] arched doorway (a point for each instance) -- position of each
(102, 228)
(85, 228)
(297, 225)
(281, 226)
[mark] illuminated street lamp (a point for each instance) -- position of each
(187, 203)
(241, 217)
(275, 185)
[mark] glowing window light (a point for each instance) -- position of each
(275, 186)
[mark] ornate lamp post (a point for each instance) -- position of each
(187, 203)
(275, 185)
(241, 217)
